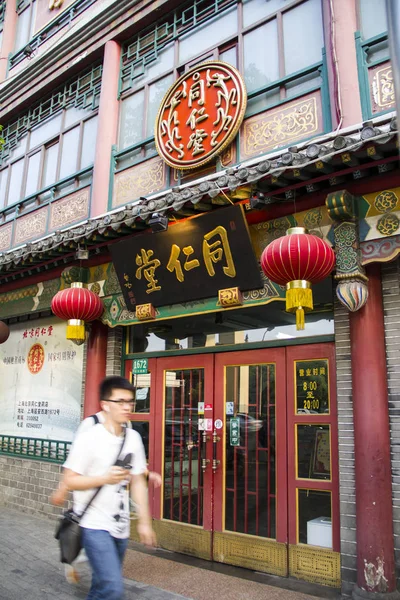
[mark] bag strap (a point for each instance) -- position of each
(96, 420)
(98, 489)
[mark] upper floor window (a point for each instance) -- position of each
(373, 57)
(276, 44)
(2, 15)
(26, 10)
(372, 18)
(55, 140)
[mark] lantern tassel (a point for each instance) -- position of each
(299, 300)
(300, 318)
(76, 331)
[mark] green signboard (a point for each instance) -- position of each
(140, 366)
(234, 431)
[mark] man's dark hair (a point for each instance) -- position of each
(114, 382)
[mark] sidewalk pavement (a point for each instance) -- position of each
(30, 570)
(30, 567)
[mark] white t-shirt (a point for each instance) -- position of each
(93, 453)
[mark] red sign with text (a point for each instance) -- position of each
(200, 115)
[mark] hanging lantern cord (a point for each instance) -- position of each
(299, 300)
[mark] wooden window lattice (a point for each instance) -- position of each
(144, 48)
(82, 92)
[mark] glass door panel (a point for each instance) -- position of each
(183, 476)
(250, 482)
(250, 475)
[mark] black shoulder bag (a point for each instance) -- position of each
(68, 532)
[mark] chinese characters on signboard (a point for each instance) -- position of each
(200, 115)
(41, 382)
(234, 431)
(312, 386)
(189, 262)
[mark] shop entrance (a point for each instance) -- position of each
(247, 446)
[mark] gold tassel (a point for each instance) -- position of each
(76, 331)
(298, 297)
(299, 300)
(299, 318)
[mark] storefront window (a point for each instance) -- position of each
(314, 518)
(313, 452)
(238, 327)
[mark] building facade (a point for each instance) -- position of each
(278, 447)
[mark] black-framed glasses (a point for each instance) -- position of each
(120, 402)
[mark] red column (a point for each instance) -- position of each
(107, 128)
(95, 367)
(9, 31)
(374, 513)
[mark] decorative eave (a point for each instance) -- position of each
(324, 163)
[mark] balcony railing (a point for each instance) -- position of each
(54, 451)
(46, 197)
(64, 19)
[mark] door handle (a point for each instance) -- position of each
(215, 462)
(204, 460)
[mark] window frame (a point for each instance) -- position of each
(121, 156)
(363, 49)
(24, 6)
(42, 148)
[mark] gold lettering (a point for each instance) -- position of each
(214, 252)
(174, 263)
(196, 141)
(148, 267)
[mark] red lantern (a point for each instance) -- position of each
(297, 260)
(77, 305)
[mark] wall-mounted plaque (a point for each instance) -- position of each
(191, 260)
(200, 115)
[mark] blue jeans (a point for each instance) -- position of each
(105, 554)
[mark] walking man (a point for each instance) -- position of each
(90, 465)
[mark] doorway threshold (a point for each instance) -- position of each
(284, 583)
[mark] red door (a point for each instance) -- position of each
(220, 444)
(246, 443)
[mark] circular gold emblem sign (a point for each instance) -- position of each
(200, 115)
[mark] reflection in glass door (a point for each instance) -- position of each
(250, 482)
(183, 475)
